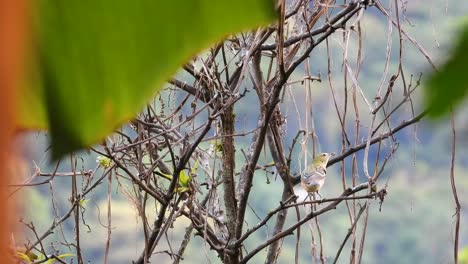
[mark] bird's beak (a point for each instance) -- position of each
(332, 154)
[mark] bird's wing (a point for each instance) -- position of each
(316, 175)
(312, 181)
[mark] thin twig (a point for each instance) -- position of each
(454, 190)
(350, 231)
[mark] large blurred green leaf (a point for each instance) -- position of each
(449, 86)
(98, 62)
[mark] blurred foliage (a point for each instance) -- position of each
(30, 257)
(463, 256)
(104, 162)
(97, 63)
(449, 86)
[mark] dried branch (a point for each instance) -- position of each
(454, 191)
(350, 231)
(290, 230)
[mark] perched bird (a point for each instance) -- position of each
(314, 177)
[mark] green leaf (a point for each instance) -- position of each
(194, 169)
(463, 256)
(83, 202)
(53, 260)
(182, 189)
(28, 257)
(167, 176)
(447, 87)
(184, 179)
(219, 147)
(184, 182)
(95, 64)
(104, 162)
(23, 257)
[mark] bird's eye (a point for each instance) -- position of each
(324, 154)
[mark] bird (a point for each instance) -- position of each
(314, 177)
